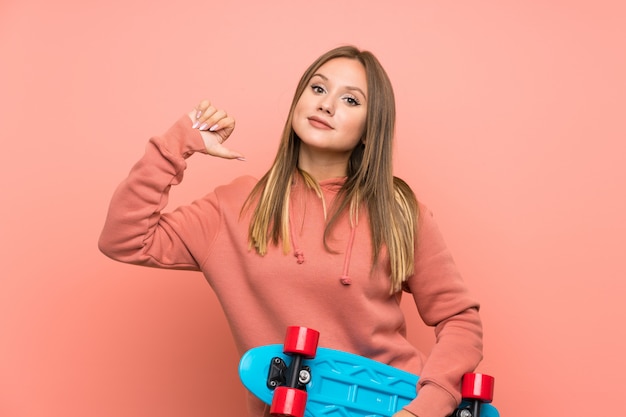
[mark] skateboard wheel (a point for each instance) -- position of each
(288, 402)
(477, 387)
(301, 341)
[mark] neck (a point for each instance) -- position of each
(324, 166)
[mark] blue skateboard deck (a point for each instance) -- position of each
(341, 384)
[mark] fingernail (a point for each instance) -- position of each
(198, 114)
(213, 128)
(203, 126)
(196, 124)
(241, 158)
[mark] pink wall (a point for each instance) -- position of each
(511, 127)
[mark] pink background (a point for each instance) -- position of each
(511, 127)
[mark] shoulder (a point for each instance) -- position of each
(245, 182)
(406, 200)
(403, 190)
(410, 204)
(237, 191)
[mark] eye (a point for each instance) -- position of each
(318, 89)
(352, 101)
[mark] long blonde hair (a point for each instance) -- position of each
(391, 205)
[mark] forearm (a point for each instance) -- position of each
(458, 350)
(134, 225)
(444, 302)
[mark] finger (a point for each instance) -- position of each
(197, 112)
(203, 111)
(224, 128)
(200, 108)
(219, 121)
(201, 121)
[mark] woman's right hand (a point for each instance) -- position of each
(215, 126)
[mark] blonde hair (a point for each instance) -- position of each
(391, 205)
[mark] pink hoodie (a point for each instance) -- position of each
(335, 293)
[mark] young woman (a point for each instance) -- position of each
(328, 229)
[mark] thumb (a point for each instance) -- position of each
(222, 151)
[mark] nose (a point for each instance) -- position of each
(326, 105)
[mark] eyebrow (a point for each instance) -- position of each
(348, 87)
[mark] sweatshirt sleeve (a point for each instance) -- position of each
(444, 303)
(135, 231)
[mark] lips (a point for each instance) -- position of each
(319, 123)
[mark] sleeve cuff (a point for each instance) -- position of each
(432, 401)
(184, 139)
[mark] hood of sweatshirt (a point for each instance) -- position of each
(300, 196)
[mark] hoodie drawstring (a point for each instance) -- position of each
(297, 252)
(345, 278)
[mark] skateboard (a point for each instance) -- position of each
(300, 379)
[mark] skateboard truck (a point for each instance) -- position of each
(476, 389)
(279, 372)
(289, 382)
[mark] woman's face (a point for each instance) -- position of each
(330, 115)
